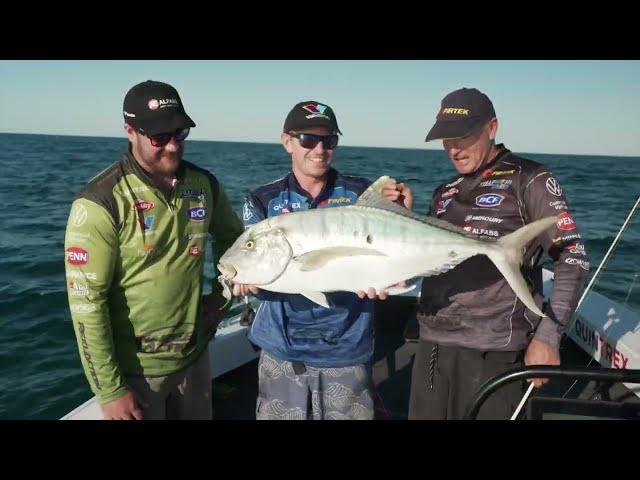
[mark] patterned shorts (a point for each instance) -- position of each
(317, 394)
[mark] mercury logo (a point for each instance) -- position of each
(77, 256)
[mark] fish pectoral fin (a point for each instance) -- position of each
(397, 290)
(317, 297)
(319, 258)
(226, 287)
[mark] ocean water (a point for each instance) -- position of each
(40, 371)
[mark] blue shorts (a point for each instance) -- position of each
(316, 394)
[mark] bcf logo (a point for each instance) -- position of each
(489, 200)
(197, 214)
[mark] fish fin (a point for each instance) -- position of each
(507, 253)
(372, 198)
(317, 297)
(226, 287)
(319, 258)
(396, 290)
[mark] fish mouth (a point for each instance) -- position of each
(227, 271)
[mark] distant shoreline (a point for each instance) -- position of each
(343, 146)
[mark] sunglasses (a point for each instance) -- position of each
(161, 139)
(310, 140)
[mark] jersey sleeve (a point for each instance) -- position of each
(91, 249)
(543, 197)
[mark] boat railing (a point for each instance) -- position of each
(612, 375)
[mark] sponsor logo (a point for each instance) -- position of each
(130, 191)
(155, 104)
(194, 250)
(568, 238)
(83, 308)
(337, 200)
(576, 248)
(197, 214)
(497, 184)
(87, 355)
(454, 183)
(450, 192)
(79, 215)
(194, 236)
(566, 222)
(489, 200)
(247, 213)
(482, 218)
(314, 108)
(294, 206)
(77, 256)
(454, 111)
(284, 210)
(442, 206)
(78, 290)
(576, 261)
(193, 194)
(553, 187)
(147, 223)
(496, 173)
(78, 237)
(481, 231)
(558, 205)
(82, 275)
(143, 205)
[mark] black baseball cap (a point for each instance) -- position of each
(311, 114)
(461, 112)
(155, 107)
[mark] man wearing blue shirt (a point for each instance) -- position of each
(315, 361)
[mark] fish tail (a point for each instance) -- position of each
(506, 254)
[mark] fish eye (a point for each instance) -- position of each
(249, 244)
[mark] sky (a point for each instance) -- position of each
(562, 107)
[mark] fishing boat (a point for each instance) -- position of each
(599, 377)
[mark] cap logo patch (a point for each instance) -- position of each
(454, 111)
(315, 108)
(153, 104)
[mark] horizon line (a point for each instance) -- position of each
(346, 146)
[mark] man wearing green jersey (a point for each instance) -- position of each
(134, 257)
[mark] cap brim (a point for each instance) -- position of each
(166, 124)
(449, 130)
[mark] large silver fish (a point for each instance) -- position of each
(373, 243)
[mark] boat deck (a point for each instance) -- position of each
(235, 393)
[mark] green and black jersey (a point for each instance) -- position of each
(134, 266)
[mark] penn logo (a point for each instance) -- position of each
(77, 256)
(566, 222)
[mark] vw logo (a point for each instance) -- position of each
(79, 215)
(554, 187)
